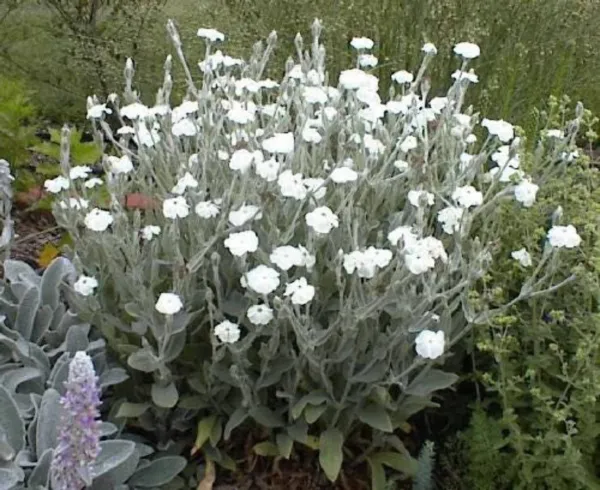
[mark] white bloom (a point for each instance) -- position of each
(56, 185)
(168, 304)
(507, 173)
(522, 256)
(438, 104)
(308, 260)
(314, 95)
(244, 213)
(85, 285)
(185, 127)
(74, 203)
(429, 344)
(150, 231)
(429, 48)
(185, 182)
(366, 263)
(401, 165)
(373, 146)
(450, 218)
(402, 77)
(322, 220)
(79, 172)
(210, 34)
(341, 175)
(467, 196)
(300, 291)
(555, 133)
(227, 332)
(525, 193)
(420, 255)
(93, 182)
(469, 76)
(467, 50)
(207, 209)
(315, 186)
(360, 43)
(267, 169)
(286, 257)
(471, 139)
(184, 109)
(175, 207)
(121, 165)
(564, 237)
(259, 314)
(98, 220)
(241, 160)
(369, 97)
(134, 111)
(355, 79)
(416, 198)
(146, 137)
(97, 111)
(281, 143)
(569, 156)
(268, 84)
(504, 130)
(311, 135)
(367, 61)
(404, 233)
(409, 143)
(261, 279)
(241, 243)
(292, 185)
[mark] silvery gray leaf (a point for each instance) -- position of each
(77, 338)
(11, 422)
(107, 429)
(41, 473)
(112, 376)
(59, 270)
(164, 395)
(116, 462)
(48, 422)
(28, 307)
(159, 472)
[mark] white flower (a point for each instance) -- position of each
(168, 304)
(404, 233)
(185, 127)
(322, 220)
(207, 209)
(286, 257)
(185, 182)
(355, 79)
(522, 256)
(373, 146)
(341, 175)
(244, 213)
(402, 77)
(315, 95)
(97, 111)
(367, 262)
(98, 220)
(507, 173)
(292, 185)
(268, 84)
(564, 237)
(241, 243)
(504, 130)
(311, 135)
(93, 182)
(429, 48)
(555, 133)
(150, 231)
(471, 139)
(469, 76)
(267, 169)
(134, 111)
(430, 344)
(175, 207)
(121, 165)
(467, 196)
(56, 185)
(281, 143)
(315, 186)
(450, 218)
(74, 203)
(85, 285)
(401, 165)
(420, 255)
(525, 193)
(210, 34)
(438, 104)
(467, 50)
(259, 314)
(308, 260)
(183, 110)
(79, 172)
(417, 197)
(146, 137)
(261, 279)
(360, 43)
(227, 332)
(409, 143)
(367, 61)
(241, 160)
(300, 291)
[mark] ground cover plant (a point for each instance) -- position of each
(311, 255)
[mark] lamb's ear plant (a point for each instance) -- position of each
(309, 263)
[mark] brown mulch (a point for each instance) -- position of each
(33, 230)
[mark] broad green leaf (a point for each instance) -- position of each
(216, 433)
(266, 417)
(378, 480)
(312, 413)
(376, 416)
(399, 462)
(115, 460)
(331, 455)
(433, 380)
(266, 448)
(203, 431)
(159, 472)
(235, 420)
(132, 410)
(112, 377)
(285, 444)
(372, 373)
(143, 360)
(164, 395)
(313, 398)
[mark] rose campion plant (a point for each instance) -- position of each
(310, 262)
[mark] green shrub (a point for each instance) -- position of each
(388, 218)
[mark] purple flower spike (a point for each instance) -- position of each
(79, 438)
